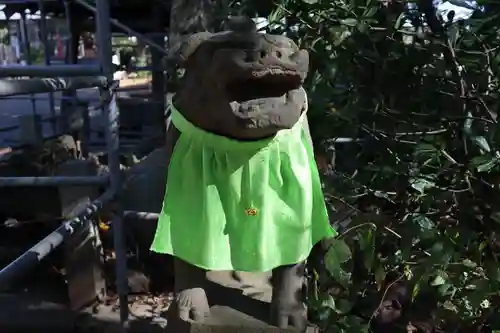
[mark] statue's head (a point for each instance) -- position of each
(241, 83)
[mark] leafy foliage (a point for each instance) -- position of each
(419, 93)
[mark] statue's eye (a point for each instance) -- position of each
(251, 55)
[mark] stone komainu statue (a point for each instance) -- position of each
(243, 191)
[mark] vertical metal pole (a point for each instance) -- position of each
(46, 56)
(27, 53)
(158, 76)
(72, 54)
(69, 96)
(85, 131)
(103, 31)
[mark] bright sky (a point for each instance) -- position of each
(460, 12)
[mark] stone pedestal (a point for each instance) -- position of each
(239, 304)
(240, 300)
(83, 258)
(30, 130)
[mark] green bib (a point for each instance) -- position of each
(246, 206)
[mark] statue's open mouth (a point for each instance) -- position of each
(272, 82)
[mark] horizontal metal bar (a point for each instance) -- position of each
(9, 128)
(143, 216)
(44, 98)
(15, 127)
(14, 87)
(33, 256)
(50, 71)
(145, 69)
(149, 34)
(53, 181)
(131, 88)
(126, 29)
(21, 2)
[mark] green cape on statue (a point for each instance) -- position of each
(246, 206)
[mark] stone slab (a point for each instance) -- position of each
(239, 304)
(24, 313)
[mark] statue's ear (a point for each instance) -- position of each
(180, 54)
(241, 24)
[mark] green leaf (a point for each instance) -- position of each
(276, 16)
(397, 25)
(440, 254)
(351, 22)
(495, 217)
(469, 263)
(310, 2)
(479, 294)
(338, 253)
(485, 163)
(343, 306)
(383, 195)
(421, 184)
(328, 301)
(380, 276)
(493, 271)
(367, 246)
(369, 12)
(341, 38)
(423, 222)
(438, 280)
(342, 277)
(426, 149)
(450, 306)
(446, 289)
(481, 142)
(416, 290)
(362, 26)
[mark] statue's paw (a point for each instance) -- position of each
(192, 305)
(289, 315)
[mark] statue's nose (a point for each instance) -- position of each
(264, 54)
(270, 54)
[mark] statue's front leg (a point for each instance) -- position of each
(191, 299)
(287, 305)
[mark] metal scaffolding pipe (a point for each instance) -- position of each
(50, 71)
(19, 2)
(143, 216)
(45, 98)
(53, 181)
(126, 29)
(33, 256)
(27, 52)
(112, 113)
(70, 55)
(23, 86)
(15, 127)
(46, 56)
(112, 118)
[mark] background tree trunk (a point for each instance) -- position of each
(191, 16)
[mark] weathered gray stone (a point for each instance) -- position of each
(83, 250)
(144, 183)
(30, 129)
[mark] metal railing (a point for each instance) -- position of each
(49, 79)
(45, 246)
